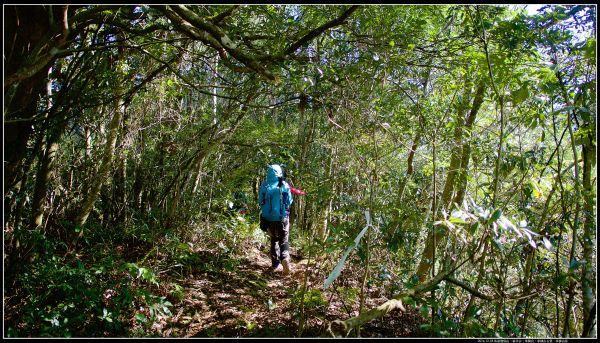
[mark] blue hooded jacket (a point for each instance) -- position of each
(275, 197)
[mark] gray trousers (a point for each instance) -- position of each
(279, 233)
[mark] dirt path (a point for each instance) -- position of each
(247, 299)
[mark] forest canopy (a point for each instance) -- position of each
(447, 152)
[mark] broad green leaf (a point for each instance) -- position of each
(520, 95)
(457, 220)
(537, 192)
(424, 311)
(183, 246)
(495, 215)
(141, 318)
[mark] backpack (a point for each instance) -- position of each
(275, 197)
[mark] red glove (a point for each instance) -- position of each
(296, 191)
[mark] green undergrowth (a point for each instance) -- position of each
(118, 282)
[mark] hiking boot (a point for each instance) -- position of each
(278, 268)
(286, 266)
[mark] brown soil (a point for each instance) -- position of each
(250, 300)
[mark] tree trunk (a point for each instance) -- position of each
(461, 185)
(480, 274)
(28, 35)
(530, 263)
(578, 200)
(43, 178)
(18, 129)
(111, 141)
(44, 173)
(588, 280)
(434, 236)
(303, 141)
(456, 155)
(409, 167)
(331, 185)
(104, 170)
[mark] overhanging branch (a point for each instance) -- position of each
(316, 32)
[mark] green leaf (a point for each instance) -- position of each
(183, 246)
(457, 220)
(520, 95)
(589, 51)
(574, 264)
(424, 311)
(473, 228)
(536, 190)
(425, 327)
(495, 216)
(561, 280)
(141, 318)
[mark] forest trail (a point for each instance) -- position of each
(135, 132)
(248, 299)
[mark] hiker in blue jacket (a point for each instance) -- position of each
(275, 199)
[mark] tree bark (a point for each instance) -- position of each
(303, 141)
(28, 34)
(434, 236)
(578, 200)
(588, 281)
(104, 170)
(44, 176)
(409, 167)
(466, 146)
(456, 156)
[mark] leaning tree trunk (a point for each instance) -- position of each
(461, 185)
(409, 168)
(434, 239)
(456, 155)
(30, 39)
(104, 170)
(462, 176)
(46, 165)
(44, 176)
(111, 139)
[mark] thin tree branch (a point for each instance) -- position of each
(221, 16)
(468, 288)
(319, 30)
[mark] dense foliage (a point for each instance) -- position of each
(448, 153)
